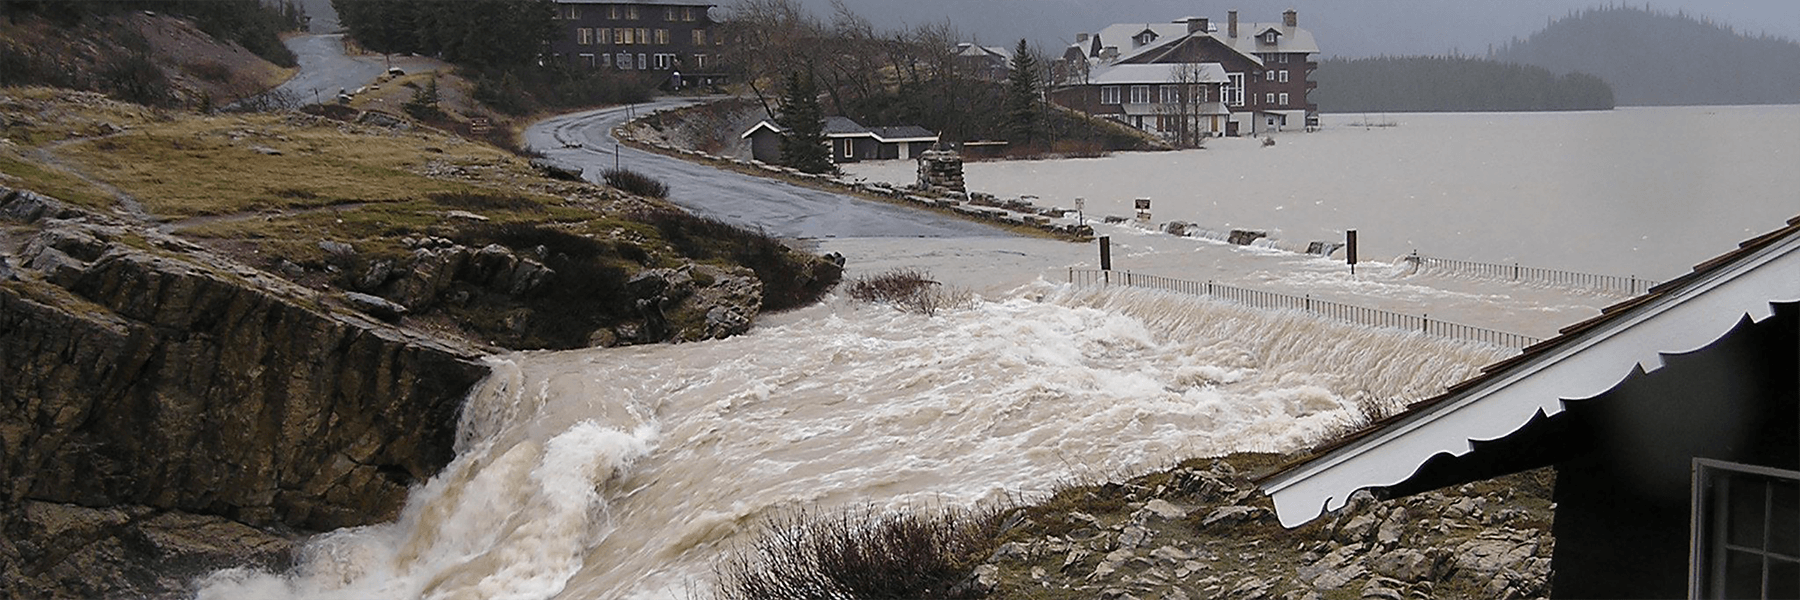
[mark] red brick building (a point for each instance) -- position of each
(1192, 77)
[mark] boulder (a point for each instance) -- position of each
(375, 306)
(557, 170)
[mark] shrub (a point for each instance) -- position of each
(636, 183)
(910, 290)
(862, 554)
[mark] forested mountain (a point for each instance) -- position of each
(1451, 84)
(1655, 58)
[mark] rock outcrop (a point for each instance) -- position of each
(164, 409)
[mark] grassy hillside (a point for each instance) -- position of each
(1656, 59)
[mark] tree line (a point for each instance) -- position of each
(1656, 58)
(253, 24)
(1452, 84)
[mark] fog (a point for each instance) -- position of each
(1350, 29)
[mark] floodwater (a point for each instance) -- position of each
(625, 473)
(1635, 191)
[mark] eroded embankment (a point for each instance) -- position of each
(165, 410)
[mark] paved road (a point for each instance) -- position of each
(779, 208)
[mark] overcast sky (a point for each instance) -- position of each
(1348, 28)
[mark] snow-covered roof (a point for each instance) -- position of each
(903, 133)
(1588, 359)
(1123, 36)
(971, 50)
(1160, 73)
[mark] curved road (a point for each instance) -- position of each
(782, 209)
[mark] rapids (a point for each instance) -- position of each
(624, 473)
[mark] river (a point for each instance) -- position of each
(624, 473)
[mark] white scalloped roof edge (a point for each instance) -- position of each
(1686, 320)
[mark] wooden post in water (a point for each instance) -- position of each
(1105, 253)
(1350, 249)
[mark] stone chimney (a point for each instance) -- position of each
(1291, 18)
(1081, 38)
(1231, 23)
(1196, 24)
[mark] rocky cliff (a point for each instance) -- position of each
(165, 410)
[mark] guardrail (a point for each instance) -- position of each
(1630, 286)
(1349, 313)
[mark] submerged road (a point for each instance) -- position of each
(779, 208)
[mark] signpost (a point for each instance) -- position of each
(1143, 209)
(1080, 217)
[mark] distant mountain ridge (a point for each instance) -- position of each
(1654, 58)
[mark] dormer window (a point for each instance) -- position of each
(1271, 37)
(1144, 38)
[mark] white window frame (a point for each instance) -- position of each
(1281, 76)
(1283, 59)
(606, 60)
(1284, 98)
(1168, 94)
(643, 62)
(625, 61)
(584, 36)
(1140, 94)
(1269, 98)
(1109, 94)
(1233, 92)
(1271, 37)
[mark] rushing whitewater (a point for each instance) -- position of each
(624, 473)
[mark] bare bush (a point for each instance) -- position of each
(862, 554)
(910, 290)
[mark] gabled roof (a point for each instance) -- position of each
(1158, 73)
(903, 133)
(1248, 42)
(843, 127)
(760, 125)
(969, 50)
(1586, 360)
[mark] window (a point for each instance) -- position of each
(1109, 94)
(1199, 92)
(1281, 76)
(625, 60)
(1283, 97)
(687, 14)
(1284, 58)
(664, 62)
(1269, 98)
(662, 36)
(1233, 92)
(606, 60)
(699, 37)
(587, 60)
(613, 13)
(1140, 94)
(570, 12)
(584, 36)
(631, 12)
(1271, 37)
(643, 62)
(622, 36)
(1746, 542)
(1170, 94)
(603, 36)
(643, 35)
(1269, 76)
(669, 13)
(699, 61)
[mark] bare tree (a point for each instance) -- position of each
(1183, 105)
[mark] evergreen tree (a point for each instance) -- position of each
(1022, 95)
(424, 102)
(803, 146)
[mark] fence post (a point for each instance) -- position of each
(1424, 323)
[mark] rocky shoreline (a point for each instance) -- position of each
(168, 411)
(1203, 531)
